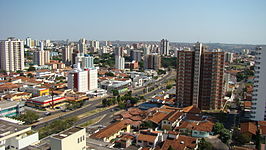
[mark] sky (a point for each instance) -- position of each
(215, 21)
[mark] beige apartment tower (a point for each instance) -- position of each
(11, 54)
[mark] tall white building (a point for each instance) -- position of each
(119, 62)
(41, 45)
(95, 44)
(258, 109)
(83, 79)
(41, 57)
(11, 54)
(92, 78)
(86, 61)
(67, 54)
(164, 47)
(78, 79)
(229, 57)
(28, 42)
(82, 46)
(147, 50)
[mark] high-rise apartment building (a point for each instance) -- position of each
(67, 54)
(164, 47)
(92, 78)
(135, 55)
(82, 79)
(119, 51)
(229, 57)
(86, 61)
(11, 54)
(119, 62)
(82, 46)
(200, 76)
(28, 42)
(258, 109)
(152, 61)
(41, 57)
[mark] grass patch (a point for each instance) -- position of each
(91, 122)
(89, 113)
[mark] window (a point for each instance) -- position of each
(78, 140)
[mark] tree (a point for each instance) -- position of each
(31, 68)
(104, 102)
(225, 135)
(169, 86)
(204, 145)
(121, 105)
(30, 75)
(160, 72)
(115, 93)
(170, 148)
(109, 74)
(28, 117)
(217, 128)
(239, 138)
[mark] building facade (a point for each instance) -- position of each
(164, 47)
(135, 55)
(258, 108)
(82, 46)
(67, 55)
(73, 138)
(119, 62)
(200, 76)
(152, 61)
(41, 57)
(11, 54)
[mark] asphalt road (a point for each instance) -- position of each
(93, 105)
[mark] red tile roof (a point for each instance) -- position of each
(146, 137)
(191, 109)
(110, 130)
(181, 143)
(248, 127)
(157, 117)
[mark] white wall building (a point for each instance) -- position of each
(119, 62)
(28, 42)
(41, 57)
(164, 47)
(13, 135)
(258, 108)
(11, 54)
(82, 46)
(73, 138)
(67, 54)
(92, 79)
(229, 57)
(78, 80)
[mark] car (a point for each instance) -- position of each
(47, 113)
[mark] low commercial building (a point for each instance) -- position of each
(111, 85)
(17, 96)
(73, 138)
(36, 91)
(11, 108)
(13, 135)
(45, 101)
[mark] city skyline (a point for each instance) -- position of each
(238, 22)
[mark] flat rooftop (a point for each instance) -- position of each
(7, 104)
(7, 127)
(67, 132)
(45, 98)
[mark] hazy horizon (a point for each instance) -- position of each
(228, 22)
